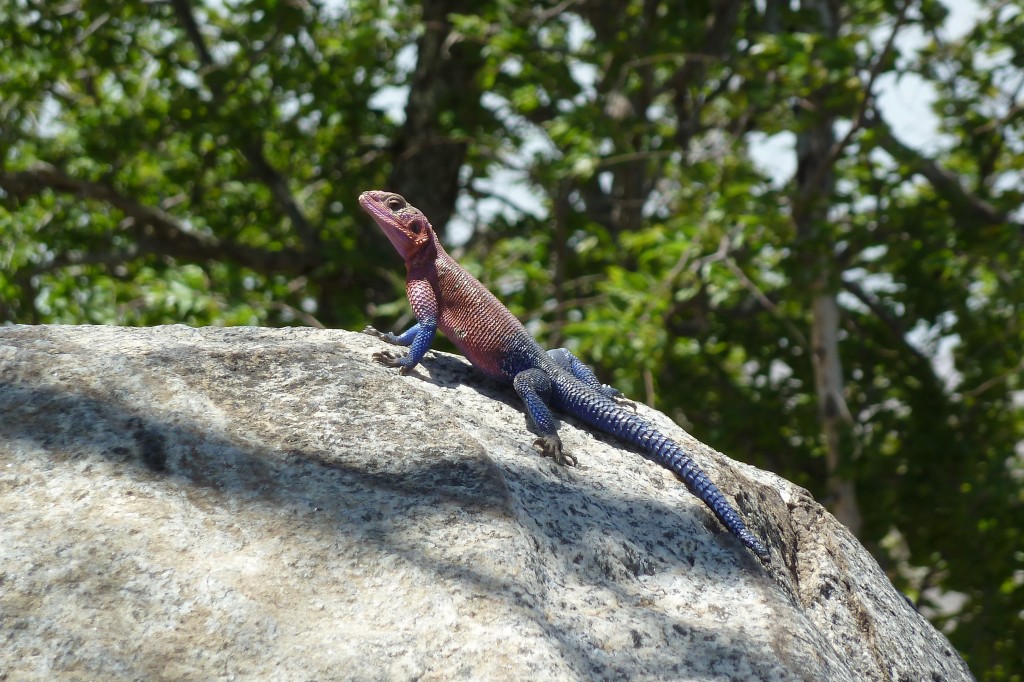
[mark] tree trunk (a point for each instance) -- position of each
(427, 157)
(815, 182)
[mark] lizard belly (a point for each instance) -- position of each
(482, 345)
(475, 321)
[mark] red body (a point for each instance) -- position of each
(440, 289)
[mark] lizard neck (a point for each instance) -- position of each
(424, 261)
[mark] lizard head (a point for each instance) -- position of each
(404, 224)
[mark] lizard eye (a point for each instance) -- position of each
(396, 203)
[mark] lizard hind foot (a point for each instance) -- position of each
(551, 446)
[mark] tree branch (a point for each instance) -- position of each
(894, 325)
(764, 300)
(155, 230)
(992, 382)
(946, 183)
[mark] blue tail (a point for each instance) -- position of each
(602, 412)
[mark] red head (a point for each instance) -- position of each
(406, 226)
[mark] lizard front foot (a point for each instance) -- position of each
(551, 446)
(390, 358)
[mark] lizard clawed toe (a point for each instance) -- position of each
(383, 336)
(624, 402)
(617, 395)
(390, 358)
(551, 446)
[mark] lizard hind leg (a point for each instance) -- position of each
(564, 358)
(534, 387)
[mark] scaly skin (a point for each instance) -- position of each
(444, 296)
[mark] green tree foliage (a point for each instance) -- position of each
(856, 327)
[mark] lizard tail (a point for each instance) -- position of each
(604, 414)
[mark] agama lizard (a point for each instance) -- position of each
(443, 295)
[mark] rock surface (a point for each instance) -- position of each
(250, 503)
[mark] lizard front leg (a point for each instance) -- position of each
(534, 387)
(418, 338)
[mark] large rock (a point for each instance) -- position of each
(248, 503)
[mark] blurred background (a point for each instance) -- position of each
(795, 227)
